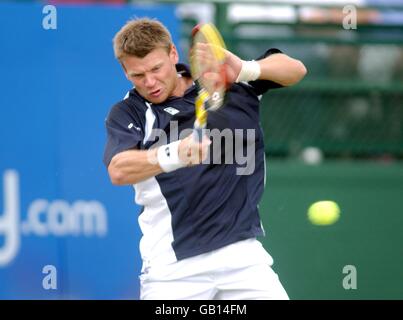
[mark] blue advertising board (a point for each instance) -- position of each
(65, 231)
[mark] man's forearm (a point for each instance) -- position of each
(132, 166)
(281, 69)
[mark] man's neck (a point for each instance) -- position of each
(183, 83)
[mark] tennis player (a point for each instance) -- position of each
(199, 220)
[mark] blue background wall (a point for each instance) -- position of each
(56, 89)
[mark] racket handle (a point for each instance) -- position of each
(198, 134)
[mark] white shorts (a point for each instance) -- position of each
(240, 271)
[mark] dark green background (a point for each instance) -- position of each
(369, 234)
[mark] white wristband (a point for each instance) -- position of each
(250, 71)
(168, 157)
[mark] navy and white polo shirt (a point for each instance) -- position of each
(197, 209)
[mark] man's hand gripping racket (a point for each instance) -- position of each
(207, 62)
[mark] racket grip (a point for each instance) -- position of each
(198, 134)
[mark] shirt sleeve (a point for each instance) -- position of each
(262, 86)
(124, 132)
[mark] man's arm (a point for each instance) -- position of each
(133, 166)
(281, 69)
(277, 67)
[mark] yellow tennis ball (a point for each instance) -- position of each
(323, 213)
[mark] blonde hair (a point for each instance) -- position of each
(139, 37)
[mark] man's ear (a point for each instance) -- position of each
(173, 54)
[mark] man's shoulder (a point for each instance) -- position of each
(245, 89)
(183, 69)
(130, 103)
(131, 106)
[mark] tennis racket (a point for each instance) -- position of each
(208, 71)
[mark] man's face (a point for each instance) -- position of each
(154, 76)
